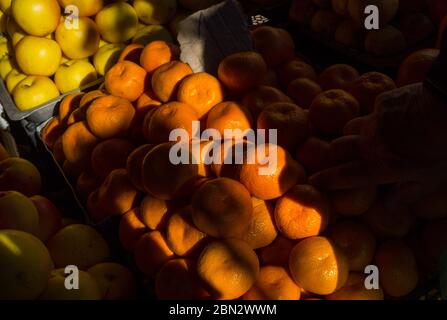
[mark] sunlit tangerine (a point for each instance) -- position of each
(296, 69)
(259, 98)
(368, 87)
(228, 268)
(151, 253)
(229, 115)
(165, 180)
(146, 102)
(131, 229)
(68, 105)
(222, 208)
(154, 213)
(285, 174)
(303, 91)
(302, 212)
(182, 236)
(52, 131)
(110, 116)
(273, 283)
(290, 121)
(318, 266)
(201, 91)
(166, 79)
(132, 53)
(156, 54)
(111, 154)
(173, 273)
(357, 242)
(126, 80)
(331, 110)
(168, 117)
(338, 76)
(261, 229)
(242, 71)
(77, 143)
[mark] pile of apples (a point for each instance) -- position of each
(403, 24)
(47, 51)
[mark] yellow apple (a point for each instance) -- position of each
(74, 74)
(117, 22)
(103, 43)
(18, 212)
(4, 47)
(78, 43)
(36, 17)
(151, 33)
(5, 6)
(107, 57)
(13, 78)
(25, 263)
(34, 91)
(3, 19)
(14, 31)
(154, 11)
(38, 56)
(86, 8)
(6, 66)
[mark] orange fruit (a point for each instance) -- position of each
(156, 54)
(175, 272)
(338, 76)
(52, 132)
(134, 165)
(368, 87)
(168, 117)
(89, 97)
(126, 80)
(132, 53)
(151, 253)
(261, 229)
(303, 91)
(242, 71)
(182, 236)
(259, 98)
(416, 66)
(357, 241)
(86, 183)
(354, 289)
(274, 44)
(131, 228)
(432, 207)
(277, 253)
(222, 208)
(318, 265)
(110, 116)
(386, 224)
(314, 155)
(296, 69)
(201, 91)
(78, 143)
(273, 283)
(229, 115)
(167, 78)
(165, 180)
(290, 121)
(111, 154)
(302, 212)
(147, 101)
(331, 110)
(397, 268)
(266, 178)
(353, 202)
(69, 104)
(154, 213)
(228, 268)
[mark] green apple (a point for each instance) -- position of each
(74, 74)
(34, 91)
(13, 78)
(107, 57)
(151, 33)
(37, 17)
(154, 11)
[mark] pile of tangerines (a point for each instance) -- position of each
(225, 231)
